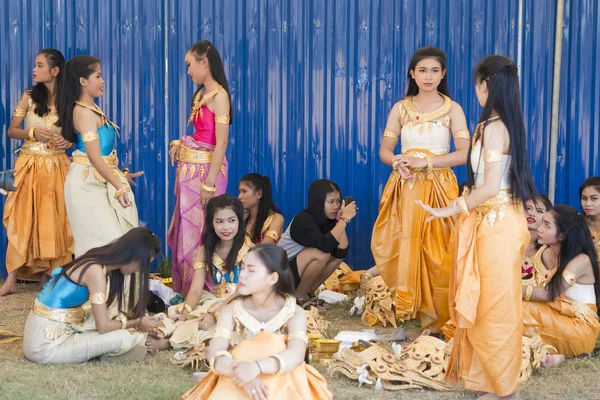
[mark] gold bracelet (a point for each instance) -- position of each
(208, 189)
(121, 192)
(528, 293)
(211, 362)
(175, 143)
(31, 134)
(461, 202)
(281, 364)
(184, 306)
(123, 320)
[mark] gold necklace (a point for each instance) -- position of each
(99, 111)
(199, 100)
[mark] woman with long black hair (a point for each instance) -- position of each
(35, 217)
(264, 222)
(561, 300)
(413, 257)
(491, 237)
(202, 167)
(60, 331)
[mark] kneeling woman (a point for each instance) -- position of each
(217, 267)
(316, 240)
(267, 331)
(560, 301)
(60, 331)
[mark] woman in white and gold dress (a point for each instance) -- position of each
(413, 257)
(100, 204)
(60, 331)
(258, 348)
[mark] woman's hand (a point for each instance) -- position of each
(124, 200)
(436, 213)
(131, 175)
(205, 196)
(42, 134)
(207, 321)
(146, 324)
(174, 153)
(256, 390)
(348, 211)
(60, 142)
(245, 372)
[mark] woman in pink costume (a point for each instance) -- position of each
(202, 167)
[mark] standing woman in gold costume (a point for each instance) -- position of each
(413, 257)
(491, 237)
(35, 217)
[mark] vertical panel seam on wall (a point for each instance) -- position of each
(166, 126)
(520, 42)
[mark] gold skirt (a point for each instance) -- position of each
(412, 256)
(485, 297)
(570, 327)
(35, 216)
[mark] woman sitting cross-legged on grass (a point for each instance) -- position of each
(265, 332)
(60, 331)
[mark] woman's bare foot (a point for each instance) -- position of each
(553, 360)
(10, 285)
(154, 343)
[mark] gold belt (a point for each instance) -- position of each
(37, 148)
(111, 160)
(194, 156)
(502, 197)
(70, 315)
(224, 290)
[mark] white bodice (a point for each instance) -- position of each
(582, 293)
(429, 131)
(478, 166)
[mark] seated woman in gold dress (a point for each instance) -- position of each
(258, 348)
(535, 208)
(560, 300)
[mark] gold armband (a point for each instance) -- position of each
(223, 119)
(121, 192)
(19, 112)
(90, 136)
(490, 156)
(200, 265)
(221, 332)
(388, 133)
(461, 135)
(98, 298)
(461, 202)
(569, 277)
(273, 235)
(299, 335)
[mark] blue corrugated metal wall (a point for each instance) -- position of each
(312, 83)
